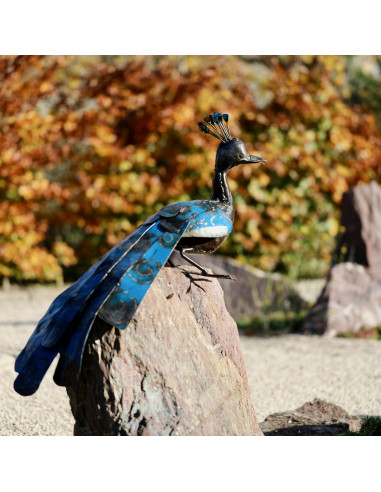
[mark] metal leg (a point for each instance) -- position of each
(204, 273)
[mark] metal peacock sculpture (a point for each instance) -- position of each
(114, 287)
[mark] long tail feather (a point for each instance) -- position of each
(129, 282)
(56, 326)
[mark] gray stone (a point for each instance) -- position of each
(315, 418)
(255, 293)
(177, 369)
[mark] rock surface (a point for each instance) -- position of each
(351, 299)
(255, 292)
(361, 221)
(350, 303)
(177, 369)
(315, 418)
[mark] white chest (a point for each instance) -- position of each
(211, 231)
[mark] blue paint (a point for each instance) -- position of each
(137, 280)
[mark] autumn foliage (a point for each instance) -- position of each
(91, 146)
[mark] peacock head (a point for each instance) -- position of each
(232, 151)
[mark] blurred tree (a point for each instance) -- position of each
(91, 146)
(364, 83)
(319, 142)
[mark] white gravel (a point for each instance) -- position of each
(284, 372)
(47, 412)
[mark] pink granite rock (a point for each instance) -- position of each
(350, 303)
(177, 369)
(361, 221)
(351, 299)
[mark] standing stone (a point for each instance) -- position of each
(351, 299)
(350, 303)
(177, 369)
(361, 222)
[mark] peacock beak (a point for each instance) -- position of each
(248, 159)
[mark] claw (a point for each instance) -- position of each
(193, 280)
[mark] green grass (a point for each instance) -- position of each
(275, 323)
(369, 334)
(371, 426)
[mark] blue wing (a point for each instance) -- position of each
(113, 289)
(48, 338)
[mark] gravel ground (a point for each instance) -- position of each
(47, 412)
(284, 372)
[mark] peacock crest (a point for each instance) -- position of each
(220, 124)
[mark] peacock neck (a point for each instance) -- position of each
(220, 190)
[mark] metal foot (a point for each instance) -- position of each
(193, 281)
(204, 273)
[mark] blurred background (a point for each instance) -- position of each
(90, 146)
